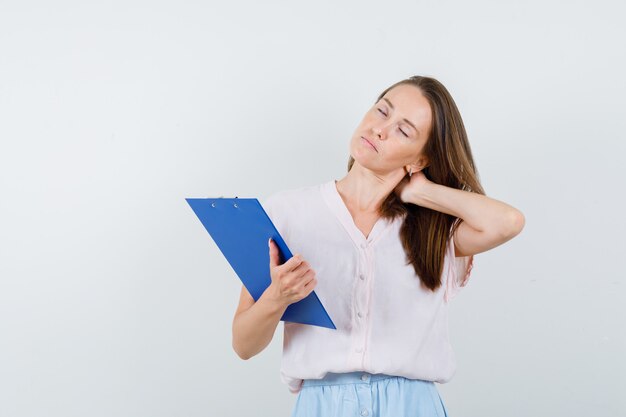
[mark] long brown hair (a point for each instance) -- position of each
(425, 232)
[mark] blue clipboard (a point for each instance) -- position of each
(241, 229)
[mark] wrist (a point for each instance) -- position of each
(271, 298)
(420, 196)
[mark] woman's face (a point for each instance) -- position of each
(397, 126)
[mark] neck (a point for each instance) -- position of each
(365, 190)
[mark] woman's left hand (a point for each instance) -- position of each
(410, 188)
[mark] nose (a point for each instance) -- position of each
(377, 131)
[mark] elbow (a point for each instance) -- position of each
(515, 224)
(236, 346)
(242, 355)
(243, 350)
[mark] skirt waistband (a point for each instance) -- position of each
(357, 377)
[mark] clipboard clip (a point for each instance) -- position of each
(213, 203)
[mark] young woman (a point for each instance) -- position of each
(386, 248)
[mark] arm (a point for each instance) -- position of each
(255, 323)
(487, 222)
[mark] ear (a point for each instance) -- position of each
(421, 163)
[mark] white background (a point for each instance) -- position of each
(114, 300)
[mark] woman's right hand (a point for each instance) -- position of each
(291, 281)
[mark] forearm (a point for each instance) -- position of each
(479, 211)
(254, 328)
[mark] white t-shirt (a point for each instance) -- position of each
(386, 322)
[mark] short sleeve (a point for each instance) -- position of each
(274, 207)
(458, 271)
(269, 205)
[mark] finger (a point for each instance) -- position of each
(293, 263)
(274, 258)
(306, 279)
(301, 269)
(310, 286)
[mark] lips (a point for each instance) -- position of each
(370, 142)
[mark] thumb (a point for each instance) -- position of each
(273, 252)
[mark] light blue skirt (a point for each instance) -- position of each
(361, 394)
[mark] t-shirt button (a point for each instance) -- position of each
(364, 377)
(364, 412)
(359, 314)
(362, 277)
(363, 245)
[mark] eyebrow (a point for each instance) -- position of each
(406, 120)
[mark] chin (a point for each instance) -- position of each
(365, 161)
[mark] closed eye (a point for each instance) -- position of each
(384, 114)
